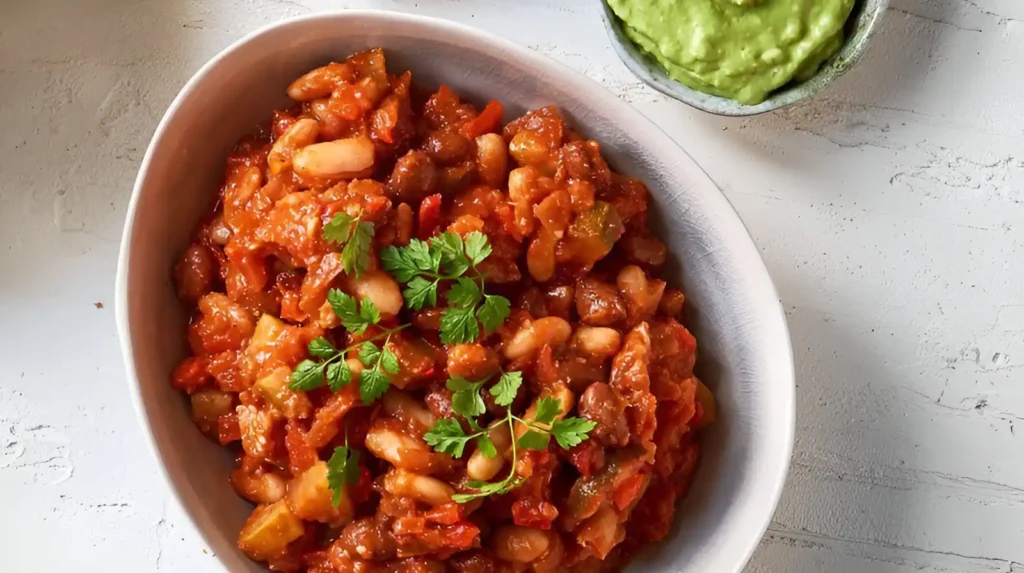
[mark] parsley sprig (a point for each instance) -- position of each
(423, 265)
(356, 239)
(449, 437)
(342, 469)
(379, 361)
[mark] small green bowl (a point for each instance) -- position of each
(863, 22)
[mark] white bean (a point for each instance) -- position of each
(491, 159)
(398, 449)
(522, 184)
(641, 294)
(430, 491)
(547, 331)
(259, 488)
(566, 400)
(597, 341)
(219, 232)
(379, 287)
(519, 544)
(300, 134)
(339, 158)
(405, 408)
(601, 532)
(481, 467)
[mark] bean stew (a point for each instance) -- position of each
(436, 341)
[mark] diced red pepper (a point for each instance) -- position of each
(447, 514)
(588, 458)
(461, 535)
(534, 513)
(410, 525)
(191, 374)
(228, 429)
(547, 369)
(300, 456)
(489, 121)
(430, 217)
(628, 491)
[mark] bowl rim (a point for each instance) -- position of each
(774, 479)
(839, 64)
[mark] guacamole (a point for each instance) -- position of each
(739, 49)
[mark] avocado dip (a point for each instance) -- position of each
(739, 49)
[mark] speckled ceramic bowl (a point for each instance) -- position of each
(862, 24)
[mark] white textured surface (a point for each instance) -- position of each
(888, 211)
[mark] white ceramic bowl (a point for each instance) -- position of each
(744, 350)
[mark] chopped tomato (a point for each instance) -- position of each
(300, 456)
(446, 514)
(628, 491)
(430, 217)
(534, 513)
(191, 374)
(588, 458)
(489, 121)
(228, 429)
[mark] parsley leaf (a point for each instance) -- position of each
(388, 361)
(464, 293)
(354, 319)
(344, 305)
(447, 437)
(338, 375)
(458, 326)
(368, 312)
(477, 248)
(453, 256)
(418, 253)
(369, 353)
(459, 384)
(322, 348)
(547, 409)
(355, 256)
(307, 376)
(339, 228)
(466, 399)
(571, 432)
(342, 469)
(379, 361)
(447, 256)
(486, 446)
(419, 293)
(505, 390)
(534, 440)
(373, 383)
(356, 238)
(406, 262)
(493, 312)
(484, 489)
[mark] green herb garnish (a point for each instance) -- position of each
(356, 239)
(448, 436)
(342, 469)
(447, 257)
(379, 361)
